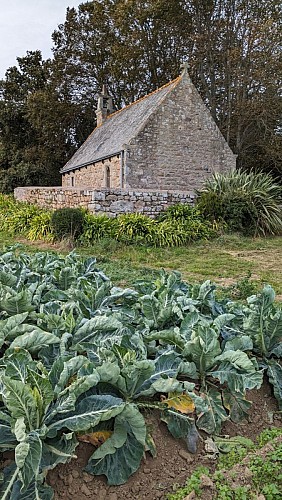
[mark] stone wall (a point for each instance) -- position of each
(103, 174)
(179, 147)
(107, 201)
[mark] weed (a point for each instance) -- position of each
(193, 484)
(242, 288)
(233, 457)
(266, 478)
(268, 435)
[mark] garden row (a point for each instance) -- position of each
(249, 203)
(79, 356)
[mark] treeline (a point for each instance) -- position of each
(233, 48)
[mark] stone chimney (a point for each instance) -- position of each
(105, 106)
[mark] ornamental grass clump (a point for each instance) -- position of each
(97, 227)
(247, 201)
(21, 218)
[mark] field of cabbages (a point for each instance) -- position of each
(89, 366)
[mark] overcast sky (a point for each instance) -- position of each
(28, 25)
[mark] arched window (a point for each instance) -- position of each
(108, 177)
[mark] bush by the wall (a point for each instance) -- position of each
(237, 212)
(20, 218)
(139, 228)
(135, 228)
(249, 202)
(178, 226)
(67, 223)
(97, 227)
(179, 211)
(40, 227)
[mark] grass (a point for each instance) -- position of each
(224, 260)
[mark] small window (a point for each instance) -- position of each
(108, 177)
(72, 181)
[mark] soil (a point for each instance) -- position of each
(171, 467)
(158, 476)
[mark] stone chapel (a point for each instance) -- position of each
(166, 140)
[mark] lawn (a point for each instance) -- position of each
(224, 260)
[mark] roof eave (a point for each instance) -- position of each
(65, 170)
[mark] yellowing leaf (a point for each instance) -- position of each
(180, 402)
(95, 438)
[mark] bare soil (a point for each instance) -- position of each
(171, 467)
(158, 476)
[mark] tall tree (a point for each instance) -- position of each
(234, 51)
(237, 66)
(233, 47)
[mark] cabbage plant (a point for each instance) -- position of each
(81, 359)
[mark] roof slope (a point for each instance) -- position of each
(117, 130)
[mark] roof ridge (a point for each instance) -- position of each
(144, 97)
(108, 122)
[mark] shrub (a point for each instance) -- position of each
(40, 227)
(172, 233)
(180, 225)
(67, 222)
(139, 228)
(238, 212)
(247, 202)
(97, 227)
(179, 211)
(20, 218)
(132, 227)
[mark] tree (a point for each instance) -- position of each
(138, 45)
(47, 108)
(236, 64)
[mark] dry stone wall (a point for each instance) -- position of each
(104, 201)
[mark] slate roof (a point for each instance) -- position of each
(118, 129)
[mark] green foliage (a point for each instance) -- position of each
(30, 221)
(78, 355)
(241, 289)
(247, 202)
(97, 227)
(266, 476)
(180, 211)
(141, 229)
(67, 222)
(268, 435)
(233, 457)
(192, 484)
(41, 227)
(135, 227)
(34, 223)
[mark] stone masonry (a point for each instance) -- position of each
(166, 140)
(153, 153)
(103, 174)
(111, 202)
(179, 147)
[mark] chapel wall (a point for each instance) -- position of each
(99, 175)
(179, 147)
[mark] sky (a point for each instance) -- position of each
(28, 25)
